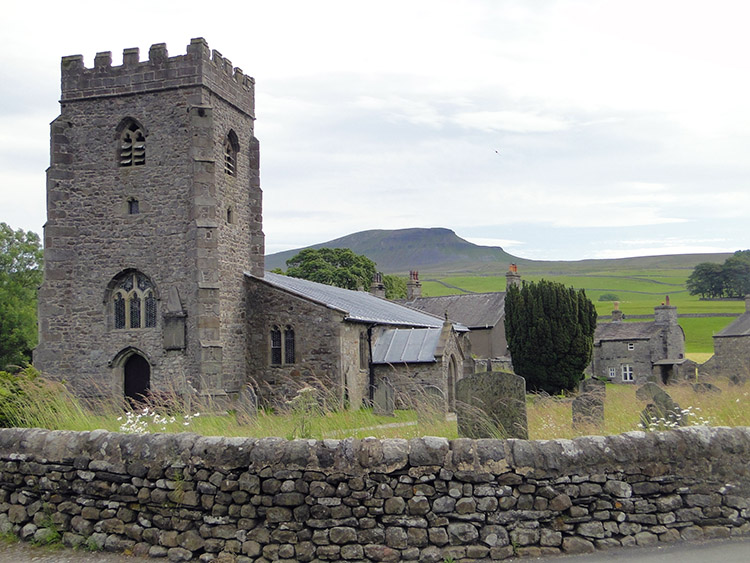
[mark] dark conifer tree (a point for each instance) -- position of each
(550, 332)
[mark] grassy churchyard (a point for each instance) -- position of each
(39, 403)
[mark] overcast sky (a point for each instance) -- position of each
(555, 129)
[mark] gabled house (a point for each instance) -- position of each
(732, 349)
(482, 313)
(629, 352)
(301, 332)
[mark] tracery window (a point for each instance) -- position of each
(132, 145)
(133, 302)
(231, 148)
(282, 346)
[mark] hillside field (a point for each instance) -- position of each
(638, 292)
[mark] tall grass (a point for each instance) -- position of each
(27, 400)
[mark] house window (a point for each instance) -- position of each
(231, 148)
(132, 151)
(133, 301)
(612, 373)
(627, 372)
(631, 346)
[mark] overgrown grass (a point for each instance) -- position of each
(51, 405)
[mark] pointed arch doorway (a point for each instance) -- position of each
(137, 378)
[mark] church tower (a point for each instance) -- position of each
(154, 214)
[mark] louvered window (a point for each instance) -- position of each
(132, 146)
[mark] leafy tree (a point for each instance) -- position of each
(395, 287)
(20, 276)
(550, 332)
(706, 280)
(332, 266)
(736, 271)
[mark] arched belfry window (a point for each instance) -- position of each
(132, 143)
(231, 148)
(133, 301)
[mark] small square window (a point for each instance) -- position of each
(631, 346)
(612, 373)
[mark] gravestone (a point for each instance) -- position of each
(705, 387)
(247, 403)
(492, 404)
(384, 398)
(588, 406)
(661, 409)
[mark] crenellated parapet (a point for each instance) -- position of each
(198, 67)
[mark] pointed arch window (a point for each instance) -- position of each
(132, 149)
(231, 148)
(133, 301)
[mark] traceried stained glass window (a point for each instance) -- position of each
(134, 302)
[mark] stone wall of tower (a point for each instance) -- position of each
(180, 238)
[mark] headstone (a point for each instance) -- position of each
(588, 406)
(661, 411)
(491, 405)
(591, 385)
(247, 403)
(705, 387)
(384, 398)
(434, 397)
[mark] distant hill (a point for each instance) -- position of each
(398, 251)
(439, 250)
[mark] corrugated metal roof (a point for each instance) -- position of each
(410, 346)
(740, 327)
(356, 305)
(474, 310)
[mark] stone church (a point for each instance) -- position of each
(154, 249)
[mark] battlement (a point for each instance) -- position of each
(198, 67)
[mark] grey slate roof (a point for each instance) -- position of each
(625, 331)
(356, 305)
(474, 310)
(740, 327)
(410, 345)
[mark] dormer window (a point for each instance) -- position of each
(132, 145)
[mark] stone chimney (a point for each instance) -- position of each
(413, 286)
(512, 277)
(377, 288)
(665, 313)
(617, 315)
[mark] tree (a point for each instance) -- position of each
(395, 287)
(706, 280)
(332, 266)
(550, 332)
(20, 276)
(736, 271)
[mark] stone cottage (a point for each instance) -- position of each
(482, 313)
(154, 248)
(732, 349)
(629, 352)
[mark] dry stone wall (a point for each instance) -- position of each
(185, 497)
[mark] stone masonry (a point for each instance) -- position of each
(186, 497)
(179, 219)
